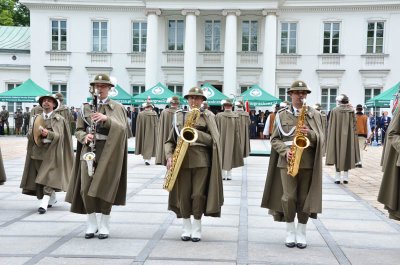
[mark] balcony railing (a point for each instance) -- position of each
(138, 57)
(373, 59)
(212, 58)
(100, 57)
(249, 58)
(288, 59)
(174, 57)
(59, 57)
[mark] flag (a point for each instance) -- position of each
(247, 106)
(395, 104)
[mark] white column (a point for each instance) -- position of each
(230, 52)
(190, 55)
(269, 53)
(152, 55)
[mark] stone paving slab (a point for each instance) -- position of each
(351, 229)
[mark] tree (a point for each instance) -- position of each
(13, 13)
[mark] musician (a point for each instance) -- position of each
(4, 114)
(198, 187)
(244, 128)
(64, 110)
(46, 171)
(228, 126)
(317, 107)
(284, 195)
(3, 177)
(105, 126)
(342, 149)
(18, 121)
(363, 131)
(164, 128)
(389, 192)
(146, 132)
(26, 117)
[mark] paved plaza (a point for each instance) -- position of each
(353, 228)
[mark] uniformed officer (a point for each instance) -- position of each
(164, 128)
(288, 196)
(4, 114)
(244, 128)
(96, 193)
(46, 170)
(26, 117)
(146, 132)
(228, 126)
(63, 109)
(198, 187)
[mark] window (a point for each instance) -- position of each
(60, 88)
(212, 35)
(139, 36)
(58, 35)
(288, 37)
(249, 35)
(12, 106)
(328, 98)
(100, 36)
(175, 35)
(283, 95)
(137, 89)
(244, 89)
(370, 93)
(375, 37)
(331, 37)
(177, 89)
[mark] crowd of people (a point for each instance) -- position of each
(199, 149)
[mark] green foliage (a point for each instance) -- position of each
(13, 13)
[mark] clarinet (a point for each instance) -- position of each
(90, 157)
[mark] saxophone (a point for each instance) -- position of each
(187, 135)
(300, 142)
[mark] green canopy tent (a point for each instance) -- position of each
(158, 94)
(213, 95)
(119, 94)
(256, 96)
(26, 92)
(383, 99)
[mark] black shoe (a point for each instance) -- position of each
(290, 245)
(345, 182)
(228, 178)
(103, 236)
(195, 239)
(89, 235)
(337, 182)
(2, 183)
(185, 238)
(301, 245)
(147, 163)
(41, 210)
(359, 166)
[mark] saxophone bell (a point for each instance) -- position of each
(189, 134)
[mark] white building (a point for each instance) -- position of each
(335, 46)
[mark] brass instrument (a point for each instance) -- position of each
(300, 142)
(90, 157)
(187, 135)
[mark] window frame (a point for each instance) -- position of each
(374, 45)
(331, 37)
(250, 22)
(331, 99)
(174, 88)
(60, 90)
(100, 44)
(142, 47)
(284, 96)
(59, 35)
(13, 105)
(176, 48)
(213, 35)
(141, 89)
(290, 25)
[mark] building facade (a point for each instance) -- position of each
(335, 46)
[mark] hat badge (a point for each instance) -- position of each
(300, 83)
(100, 77)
